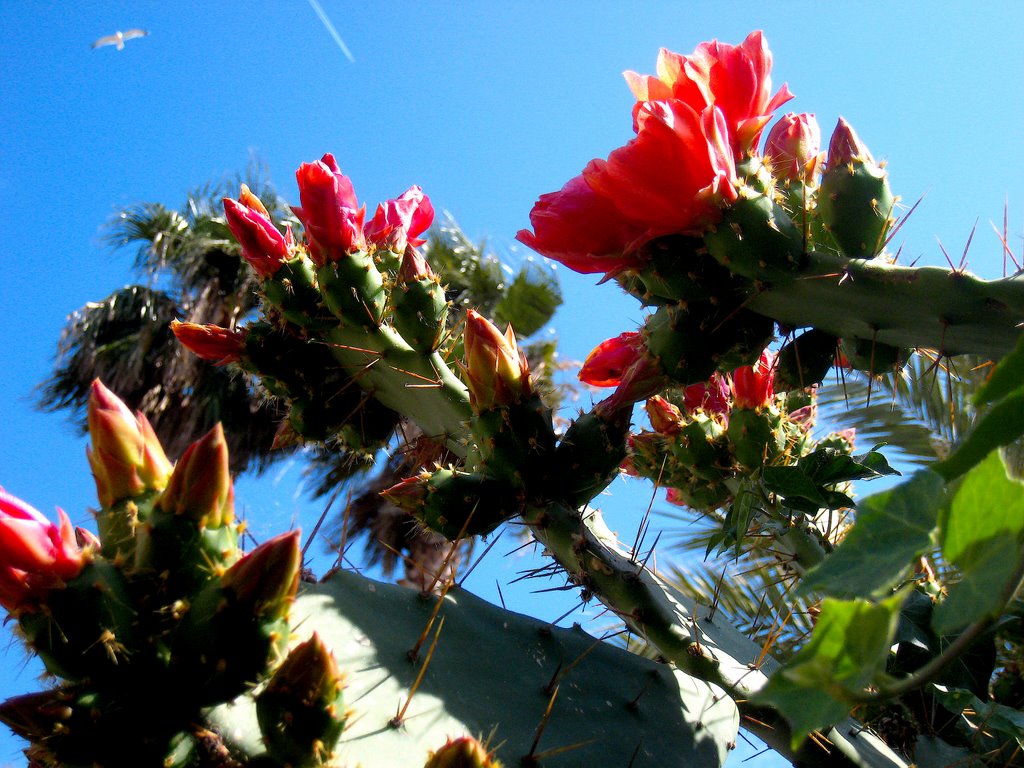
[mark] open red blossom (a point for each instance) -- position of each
(35, 554)
(673, 178)
(734, 78)
(210, 342)
(753, 385)
(263, 245)
(330, 211)
(400, 222)
(583, 230)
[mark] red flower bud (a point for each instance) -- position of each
(497, 373)
(35, 555)
(711, 396)
(329, 212)
(414, 267)
(846, 147)
(398, 222)
(608, 361)
(125, 455)
(622, 362)
(752, 385)
(793, 148)
(218, 345)
(263, 245)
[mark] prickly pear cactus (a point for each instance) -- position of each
(419, 670)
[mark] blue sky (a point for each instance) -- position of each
(485, 105)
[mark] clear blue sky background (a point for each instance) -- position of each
(486, 105)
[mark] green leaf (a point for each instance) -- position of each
(741, 512)
(1006, 377)
(987, 715)
(983, 536)
(846, 652)
(1001, 425)
(792, 482)
(828, 466)
(892, 528)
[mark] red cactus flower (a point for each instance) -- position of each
(398, 223)
(330, 211)
(263, 245)
(211, 342)
(125, 456)
(496, 370)
(734, 78)
(672, 178)
(583, 230)
(35, 555)
(793, 148)
(753, 385)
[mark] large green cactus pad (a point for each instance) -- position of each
(489, 676)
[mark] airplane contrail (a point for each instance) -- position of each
(330, 28)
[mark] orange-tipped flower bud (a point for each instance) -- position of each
(201, 485)
(265, 580)
(210, 342)
(410, 493)
(793, 148)
(125, 456)
(263, 245)
(301, 711)
(464, 752)
(497, 372)
(666, 419)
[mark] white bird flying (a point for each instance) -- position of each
(119, 37)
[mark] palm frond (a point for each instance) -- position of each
(921, 411)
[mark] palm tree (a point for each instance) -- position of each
(191, 269)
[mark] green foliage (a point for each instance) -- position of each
(846, 652)
(982, 534)
(892, 529)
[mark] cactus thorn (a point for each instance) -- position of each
(414, 652)
(399, 718)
